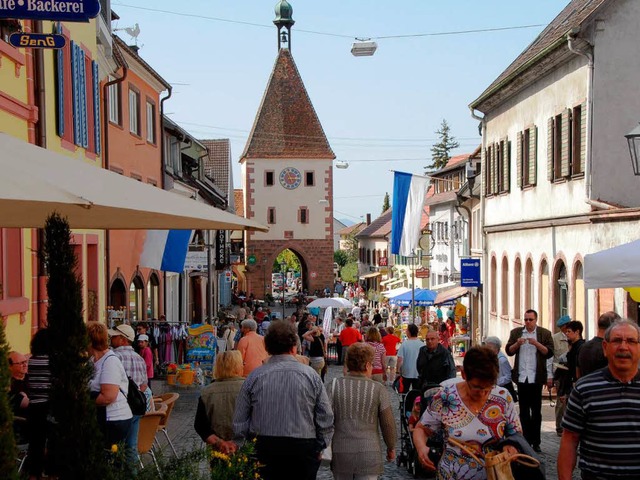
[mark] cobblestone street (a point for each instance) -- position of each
(185, 438)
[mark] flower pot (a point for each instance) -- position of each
(185, 377)
(171, 378)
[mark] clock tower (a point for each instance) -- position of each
(287, 176)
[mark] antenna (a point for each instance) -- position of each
(133, 32)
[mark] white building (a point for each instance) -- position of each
(557, 179)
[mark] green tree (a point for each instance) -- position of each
(288, 257)
(7, 441)
(386, 205)
(340, 257)
(351, 247)
(76, 444)
(349, 273)
(440, 151)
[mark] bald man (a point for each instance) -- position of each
(18, 391)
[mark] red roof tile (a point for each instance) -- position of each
(238, 197)
(352, 229)
(287, 125)
(217, 164)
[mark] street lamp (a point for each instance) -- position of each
(633, 138)
(283, 268)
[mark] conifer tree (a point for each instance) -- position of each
(440, 151)
(386, 205)
(75, 445)
(8, 469)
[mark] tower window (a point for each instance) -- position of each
(269, 178)
(303, 215)
(309, 179)
(271, 215)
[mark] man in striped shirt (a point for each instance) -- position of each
(602, 415)
(284, 405)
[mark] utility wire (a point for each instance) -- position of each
(328, 34)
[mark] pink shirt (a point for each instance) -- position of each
(251, 346)
(146, 354)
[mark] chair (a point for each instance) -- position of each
(147, 433)
(168, 399)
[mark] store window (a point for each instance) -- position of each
(561, 293)
(136, 296)
(153, 296)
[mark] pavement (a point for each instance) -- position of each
(185, 439)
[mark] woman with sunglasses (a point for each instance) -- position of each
(473, 411)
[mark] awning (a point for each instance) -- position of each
(394, 292)
(36, 182)
(450, 294)
(613, 268)
(396, 281)
(370, 275)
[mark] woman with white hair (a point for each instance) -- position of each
(504, 376)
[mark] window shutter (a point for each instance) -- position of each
(565, 166)
(60, 89)
(83, 98)
(533, 155)
(583, 136)
(550, 149)
(506, 182)
(96, 105)
(75, 89)
(519, 159)
(487, 174)
(494, 168)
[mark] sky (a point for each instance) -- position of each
(379, 113)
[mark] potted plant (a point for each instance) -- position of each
(172, 373)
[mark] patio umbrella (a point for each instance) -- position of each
(422, 298)
(615, 267)
(335, 302)
(36, 182)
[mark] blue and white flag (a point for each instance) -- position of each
(166, 250)
(406, 214)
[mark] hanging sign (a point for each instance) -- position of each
(37, 40)
(56, 10)
(221, 249)
(470, 272)
(196, 261)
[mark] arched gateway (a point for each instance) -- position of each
(287, 178)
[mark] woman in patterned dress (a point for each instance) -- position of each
(475, 412)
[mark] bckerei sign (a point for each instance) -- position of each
(56, 10)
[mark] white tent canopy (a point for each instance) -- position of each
(36, 182)
(617, 267)
(334, 302)
(395, 292)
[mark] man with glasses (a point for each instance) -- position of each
(435, 363)
(532, 345)
(18, 391)
(602, 414)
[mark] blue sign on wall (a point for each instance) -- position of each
(36, 40)
(63, 10)
(470, 272)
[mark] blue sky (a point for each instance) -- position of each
(379, 113)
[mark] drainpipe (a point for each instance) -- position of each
(39, 314)
(162, 159)
(485, 270)
(105, 163)
(588, 54)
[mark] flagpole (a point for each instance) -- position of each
(413, 286)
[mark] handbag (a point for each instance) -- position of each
(497, 464)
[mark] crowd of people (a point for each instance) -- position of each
(269, 387)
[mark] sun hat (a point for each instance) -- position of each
(124, 330)
(143, 338)
(562, 321)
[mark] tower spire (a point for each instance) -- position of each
(284, 21)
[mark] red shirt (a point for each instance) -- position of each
(390, 343)
(349, 336)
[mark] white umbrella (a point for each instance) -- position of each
(35, 182)
(616, 267)
(334, 302)
(326, 323)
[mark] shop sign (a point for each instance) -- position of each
(470, 272)
(55, 10)
(251, 259)
(383, 261)
(221, 249)
(37, 40)
(196, 261)
(422, 273)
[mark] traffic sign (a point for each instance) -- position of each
(56, 10)
(37, 40)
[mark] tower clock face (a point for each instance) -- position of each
(290, 178)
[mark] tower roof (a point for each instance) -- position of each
(284, 14)
(287, 125)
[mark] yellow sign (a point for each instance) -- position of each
(460, 310)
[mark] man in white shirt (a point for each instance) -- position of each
(355, 311)
(532, 345)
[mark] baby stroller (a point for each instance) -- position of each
(408, 455)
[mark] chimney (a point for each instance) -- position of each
(135, 49)
(368, 219)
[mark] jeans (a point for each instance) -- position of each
(132, 440)
(116, 432)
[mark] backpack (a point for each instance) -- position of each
(136, 399)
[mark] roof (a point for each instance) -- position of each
(217, 164)
(443, 197)
(552, 37)
(380, 227)
(126, 48)
(287, 125)
(352, 229)
(238, 196)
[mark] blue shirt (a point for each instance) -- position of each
(409, 352)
